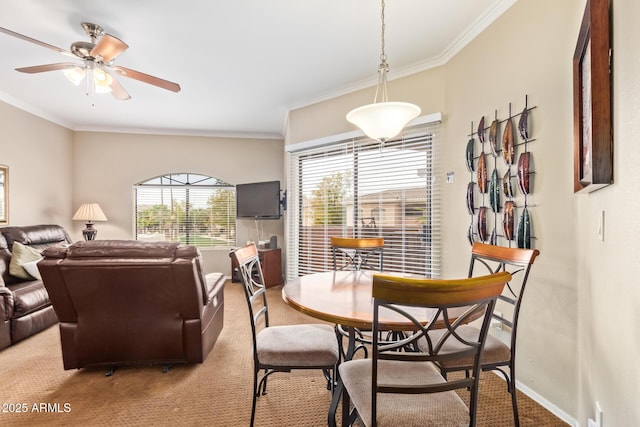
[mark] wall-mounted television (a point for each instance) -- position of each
(258, 200)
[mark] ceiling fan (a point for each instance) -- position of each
(97, 69)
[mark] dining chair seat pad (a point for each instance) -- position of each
(306, 345)
(495, 351)
(434, 409)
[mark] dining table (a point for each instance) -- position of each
(344, 298)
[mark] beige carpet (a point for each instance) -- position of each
(215, 393)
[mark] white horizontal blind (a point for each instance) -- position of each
(360, 188)
(189, 208)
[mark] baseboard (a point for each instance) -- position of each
(546, 404)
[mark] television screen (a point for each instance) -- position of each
(258, 200)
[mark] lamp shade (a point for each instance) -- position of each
(383, 120)
(89, 212)
(75, 74)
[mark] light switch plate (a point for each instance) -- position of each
(450, 177)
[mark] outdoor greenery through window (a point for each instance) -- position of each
(185, 207)
(360, 188)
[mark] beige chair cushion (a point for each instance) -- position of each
(495, 351)
(434, 409)
(297, 345)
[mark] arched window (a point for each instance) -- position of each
(186, 207)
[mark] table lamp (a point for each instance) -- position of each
(89, 212)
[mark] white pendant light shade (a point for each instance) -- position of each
(383, 120)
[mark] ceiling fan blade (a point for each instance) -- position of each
(38, 42)
(47, 67)
(146, 78)
(117, 90)
(108, 47)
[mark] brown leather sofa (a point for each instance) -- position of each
(123, 302)
(25, 308)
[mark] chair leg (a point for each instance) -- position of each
(255, 396)
(512, 389)
(261, 390)
(329, 375)
(346, 404)
(333, 408)
(514, 403)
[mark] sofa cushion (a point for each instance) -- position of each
(21, 254)
(28, 297)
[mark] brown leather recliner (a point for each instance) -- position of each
(123, 302)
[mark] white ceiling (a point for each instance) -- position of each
(242, 64)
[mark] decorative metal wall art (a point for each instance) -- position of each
(492, 202)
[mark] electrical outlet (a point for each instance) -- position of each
(598, 421)
(495, 323)
(599, 414)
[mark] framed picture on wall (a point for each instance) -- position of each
(4, 195)
(592, 124)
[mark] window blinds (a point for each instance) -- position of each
(189, 208)
(360, 188)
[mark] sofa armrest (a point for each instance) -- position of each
(6, 303)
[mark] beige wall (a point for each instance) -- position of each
(579, 322)
(609, 295)
(39, 156)
(509, 60)
(52, 170)
(107, 165)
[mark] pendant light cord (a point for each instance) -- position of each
(383, 119)
(383, 69)
(383, 55)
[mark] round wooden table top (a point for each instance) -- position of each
(344, 298)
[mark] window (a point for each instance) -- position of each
(185, 207)
(360, 188)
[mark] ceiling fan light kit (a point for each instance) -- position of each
(383, 120)
(97, 68)
(96, 79)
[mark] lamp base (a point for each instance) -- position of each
(89, 233)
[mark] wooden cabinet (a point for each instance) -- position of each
(271, 263)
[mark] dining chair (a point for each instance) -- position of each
(358, 253)
(395, 388)
(498, 355)
(284, 347)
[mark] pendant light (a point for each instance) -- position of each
(383, 120)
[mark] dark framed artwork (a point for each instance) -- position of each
(592, 124)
